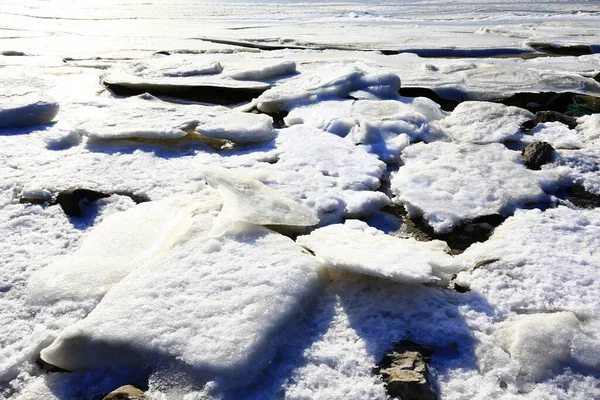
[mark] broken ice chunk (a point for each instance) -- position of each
(217, 309)
(147, 117)
(120, 243)
(249, 200)
(484, 122)
(356, 247)
(326, 82)
(22, 106)
(450, 183)
(262, 70)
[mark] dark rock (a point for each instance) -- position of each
(71, 200)
(584, 105)
(581, 198)
(549, 116)
(126, 392)
(405, 371)
(537, 154)
(452, 285)
(446, 104)
(597, 77)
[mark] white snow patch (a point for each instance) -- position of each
(22, 106)
(449, 183)
(540, 343)
(588, 127)
(483, 122)
(557, 134)
(356, 247)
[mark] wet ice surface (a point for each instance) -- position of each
(247, 274)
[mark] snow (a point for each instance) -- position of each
(452, 183)
(588, 126)
(358, 248)
(217, 309)
(482, 122)
(22, 106)
(557, 134)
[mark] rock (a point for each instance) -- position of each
(581, 198)
(537, 154)
(71, 200)
(126, 392)
(406, 373)
(549, 116)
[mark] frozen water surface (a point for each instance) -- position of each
(300, 117)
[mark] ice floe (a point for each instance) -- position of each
(147, 117)
(214, 305)
(356, 247)
(22, 106)
(484, 122)
(450, 183)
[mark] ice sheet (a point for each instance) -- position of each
(22, 106)
(214, 305)
(450, 183)
(356, 247)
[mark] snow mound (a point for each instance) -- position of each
(326, 82)
(147, 117)
(589, 128)
(118, 245)
(22, 106)
(246, 199)
(540, 343)
(483, 122)
(449, 183)
(356, 247)
(557, 134)
(214, 305)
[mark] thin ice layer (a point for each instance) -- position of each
(450, 183)
(249, 200)
(118, 245)
(215, 305)
(22, 106)
(326, 82)
(147, 117)
(356, 247)
(483, 122)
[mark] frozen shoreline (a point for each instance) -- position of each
(298, 216)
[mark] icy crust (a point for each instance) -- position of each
(147, 117)
(214, 305)
(22, 106)
(383, 127)
(483, 122)
(356, 247)
(450, 183)
(541, 274)
(341, 181)
(118, 245)
(335, 80)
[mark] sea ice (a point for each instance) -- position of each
(249, 200)
(22, 106)
(147, 117)
(118, 245)
(450, 183)
(214, 305)
(335, 80)
(484, 122)
(356, 247)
